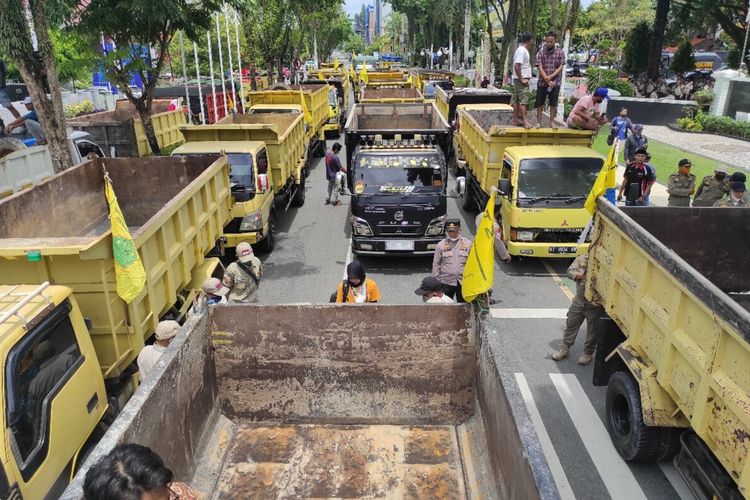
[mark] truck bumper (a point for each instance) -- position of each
(384, 246)
(551, 250)
(234, 239)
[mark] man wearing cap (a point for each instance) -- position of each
(711, 189)
(30, 120)
(736, 198)
(740, 177)
(585, 115)
(637, 174)
(450, 259)
(634, 142)
(681, 185)
(432, 292)
(243, 276)
(165, 331)
(213, 291)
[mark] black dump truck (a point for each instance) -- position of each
(397, 174)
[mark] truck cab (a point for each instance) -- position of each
(53, 390)
(250, 179)
(542, 194)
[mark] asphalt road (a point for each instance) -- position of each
(308, 262)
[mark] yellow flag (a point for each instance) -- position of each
(363, 73)
(605, 180)
(479, 272)
(129, 272)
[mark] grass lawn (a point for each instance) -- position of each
(665, 158)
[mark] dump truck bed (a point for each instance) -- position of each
(315, 102)
(674, 280)
(121, 131)
(335, 401)
(390, 95)
(448, 101)
(59, 231)
(24, 168)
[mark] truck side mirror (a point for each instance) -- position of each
(460, 186)
(504, 187)
(262, 184)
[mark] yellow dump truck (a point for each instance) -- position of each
(379, 79)
(675, 351)
(544, 176)
(311, 100)
(429, 80)
(336, 401)
(339, 102)
(447, 101)
(389, 95)
(267, 156)
(121, 133)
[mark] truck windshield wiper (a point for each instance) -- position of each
(575, 199)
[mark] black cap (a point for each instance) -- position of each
(453, 223)
(641, 151)
(685, 163)
(429, 284)
(737, 177)
(737, 187)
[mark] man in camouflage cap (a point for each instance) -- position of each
(681, 185)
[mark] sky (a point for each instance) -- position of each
(353, 6)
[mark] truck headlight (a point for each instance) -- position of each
(525, 235)
(360, 227)
(252, 222)
(436, 226)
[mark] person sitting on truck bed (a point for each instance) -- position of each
(432, 292)
(243, 276)
(165, 331)
(333, 167)
(580, 309)
(450, 259)
(736, 198)
(133, 472)
(31, 121)
(357, 287)
(637, 179)
(585, 114)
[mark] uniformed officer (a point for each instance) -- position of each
(711, 189)
(243, 276)
(740, 177)
(736, 198)
(450, 258)
(681, 185)
(580, 309)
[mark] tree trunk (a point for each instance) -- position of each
(467, 32)
(509, 35)
(553, 16)
(657, 39)
(143, 106)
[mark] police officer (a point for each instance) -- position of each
(242, 277)
(740, 177)
(580, 309)
(711, 189)
(450, 258)
(681, 185)
(736, 198)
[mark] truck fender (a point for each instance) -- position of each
(460, 185)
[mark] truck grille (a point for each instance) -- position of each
(557, 237)
(398, 230)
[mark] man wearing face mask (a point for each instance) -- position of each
(711, 189)
(736, 198)
(450, 259)
(357, 288)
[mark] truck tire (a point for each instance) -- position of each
(299, 195)
(670, 444)
(267, 244)
(633, 440)
(468, 197)
(9, 145)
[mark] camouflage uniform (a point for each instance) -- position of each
(680, 187)
(581, 309)
(709, 191)
(743, 202)
(243, 287)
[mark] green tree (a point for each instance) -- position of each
(37, 67)
(139, 28)
(683, 60)
(635, 55)
(74, 56)
(657, 39)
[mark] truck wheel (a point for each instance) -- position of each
(633, 440)
(669, 444)
(299, 194)
(320, 150)
(266, 244)
(9, 145)
(468, 197)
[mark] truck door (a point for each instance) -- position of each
(507, 204)
(54, 397)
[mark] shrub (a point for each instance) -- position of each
(461, 81)
(704, 97)
(683, 60)
(718, 124)
(608, 78)
(734, 58)
(635, 56)
(82, 108)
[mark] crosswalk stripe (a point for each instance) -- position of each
(561, 480)
(675, 479)
(615, 473)
(528, 313)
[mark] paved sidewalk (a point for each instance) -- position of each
(730, 152)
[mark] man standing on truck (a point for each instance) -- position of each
(450, 259)
(638, 179)
(165, 331)
(580, 309)
(550, 61)
(712, 188)
(243, 276)
(521, 80)
(333, 167)
(585, 115)
(681, 185)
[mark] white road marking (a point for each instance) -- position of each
(561, 480)
(528, 313)
(615, 473)
(676, 480)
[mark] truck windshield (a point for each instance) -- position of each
(241, 169)
(557, 177)
(399, 174)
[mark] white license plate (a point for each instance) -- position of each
(399, 245)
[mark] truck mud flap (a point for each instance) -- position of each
(702, 472)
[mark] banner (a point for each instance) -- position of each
(129, 272)
(479, 271)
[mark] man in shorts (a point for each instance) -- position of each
(550, 61)
(585, 115)
(521, 79)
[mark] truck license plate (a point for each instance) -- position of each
(562, 249)
(403, 245)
